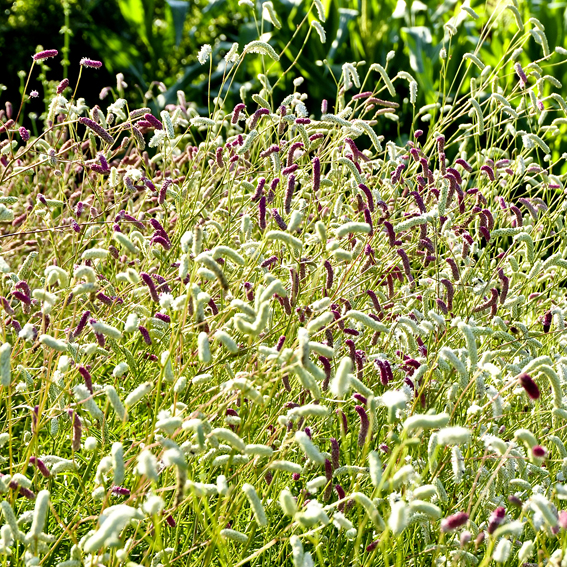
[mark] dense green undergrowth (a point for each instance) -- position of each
(270, 335)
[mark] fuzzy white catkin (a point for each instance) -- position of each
(375, 467)
(341, 522)
(114, 523)
(227, 252)
(22, 480)
(225, 339)
(426, 421)
(544, 507)
(458, 464)
(358, 386)
(315, 483)
(55, 344)
(132, 322)
(153, 505)
(303, 340)
(425, 491)
(147, 465)
(115, 402)
(320, 10)
(526, 551)
(94, 254)
(43, 295)
(526, 437)
(307, 380)
(259, 450)
(351, 76)
(223, 460)
(471, 344)
(472, 57)
(308, 410)
(6, 539)
(286, 466)
(117, 454)
(169, 424)
(229, 437)
(399, 517)
(340, 383)
(366, 321)
(84, 396)
(312, 514)
(168, 374)
(85, 272)
(287, 503)
(275, 286)
(255, 504)
(285, 238)
(309, 447)
(370, 509)
(427, 508)
(5, 364)
(502, 551)
(137, 394)
(39, 514)
(106, 330)
(203, 347)
(454, 436)
(321, 349)
(308, 559)
(297, 553)
(385, 78)
(320, 31)
(555, 384)
(120, 369)
(447, 354)
(166, 118)
(201, 490)
(269, 14)
(125, 242)
(10, 518)
(222, 485)
(54, 274)
(319, 322)
(234, 535)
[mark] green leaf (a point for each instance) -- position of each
(118, 53)
(139, 14)
(418, 40)
(133, 12)
(179, 9)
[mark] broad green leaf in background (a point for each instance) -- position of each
(139, 14)
(345, 17)
(179, 9)
(422, 58)
(213, 5)
(118, 54)
(418, 40)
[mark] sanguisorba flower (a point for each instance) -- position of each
(62, 85)
(86, 62)
(46, 54)
(529, 385)
(454, 522)
(204, 53)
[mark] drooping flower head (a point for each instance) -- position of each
(86, 62)
(46, 54)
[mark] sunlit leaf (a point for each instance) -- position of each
(179, 9)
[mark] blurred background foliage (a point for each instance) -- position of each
(155, 42)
